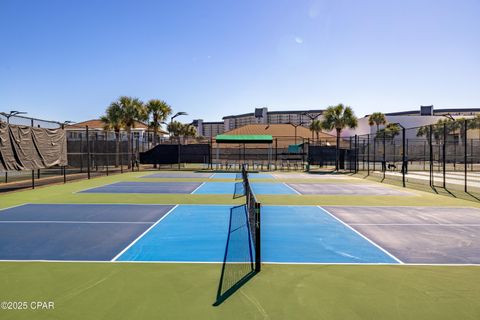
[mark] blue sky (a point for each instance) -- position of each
(67, 60)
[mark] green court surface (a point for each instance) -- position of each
(123, 290)
(187, 291)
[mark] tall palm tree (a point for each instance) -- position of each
(132, 110)
(338, 117)
(378, 119)
(315, 127)
(159, 110)
(112, 120)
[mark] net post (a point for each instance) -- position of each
(257, 238)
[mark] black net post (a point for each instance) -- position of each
(33, 178)
(257, 238)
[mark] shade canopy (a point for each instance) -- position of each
(244, 138)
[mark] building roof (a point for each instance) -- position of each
(276, 130)
(435, 112)
(99, 124)
(244, 138)
(251, 114)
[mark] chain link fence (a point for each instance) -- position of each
(90, 153)
(444, 156)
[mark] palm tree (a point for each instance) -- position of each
(377, 118)
(132, 110)
(390, 131)
(112, 120)
(338, 117)
(159, 110)
(474, 124)
(315, 126)
(175, 129)
(189, 131)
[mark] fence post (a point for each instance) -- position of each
(368, 154)
(384, 162)
(178, 152)
(465, 131)
(88, 152)
(105, 149)
(404, 157)
(33, 177)
(430, 132)
(211, 153)
(444, 161)
(356, 154)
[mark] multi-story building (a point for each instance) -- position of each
(413, 119)
(208, 129)
(259, 116)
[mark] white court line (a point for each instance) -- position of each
(76, 222)
(417, 224)
(143, 234)
(291, 188)
(403, 265)
(15, 206)
(103, 185)
(198, 188)
(364, 237)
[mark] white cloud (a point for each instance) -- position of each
(298, 40)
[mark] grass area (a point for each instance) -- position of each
(187, 291)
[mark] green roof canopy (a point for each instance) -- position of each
(244, 138)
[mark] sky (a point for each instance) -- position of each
(68, 60)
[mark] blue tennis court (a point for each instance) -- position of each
(258, 188)
(86, 232)
(290, 234)
(231, 175)
(146, 187)
(181, 175)
(195, 233)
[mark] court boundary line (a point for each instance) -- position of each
(291, 188)
(15, 206)
(73, 222)
(201, 185)
(263, 262)
(361, 235)
(417, 224)
(143, 234)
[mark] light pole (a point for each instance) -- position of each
(181, 113)
(11, 114)
(311, 117)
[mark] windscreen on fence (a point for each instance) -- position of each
(29, 148)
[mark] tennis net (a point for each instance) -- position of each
(242, 252)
